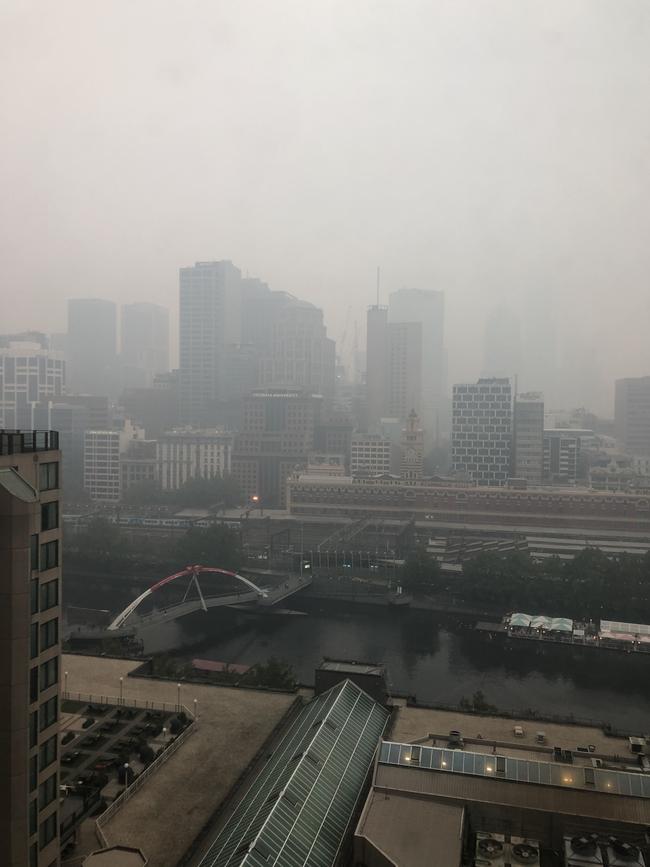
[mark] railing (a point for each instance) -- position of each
(15, 442)
(139, 781)
(122, 701)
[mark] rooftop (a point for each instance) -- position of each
(16, 442)
(299, 807)
(233, 725)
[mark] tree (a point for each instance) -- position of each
(210, 546)
(275, 674)
(420, 570)
(102, 542)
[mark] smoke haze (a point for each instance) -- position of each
(498, 151)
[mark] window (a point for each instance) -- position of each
(47, 792)
(49, 555)
(33, 684)
(47, 753)
(33, 596)
(33, 640)
(48, 713)
(33, 855)
(33, 729)
(48, 476)
(33, 817)
(49, 594)
(48, 830)
(49, 633)
(49, 673)
(49, 516)
(33, 552)
(33, 773)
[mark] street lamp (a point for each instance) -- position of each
(164, 734)
(65, 682)
(196, 709)
(126, 777)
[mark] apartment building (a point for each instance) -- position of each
(30, 594)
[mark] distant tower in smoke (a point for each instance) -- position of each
(502, 355)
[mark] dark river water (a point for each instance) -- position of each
(429, 655)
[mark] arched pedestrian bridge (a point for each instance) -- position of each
(197, 597)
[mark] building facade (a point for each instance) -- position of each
(144, 338)
(92, 347)
(278, 434)
(561, 454)
(412, 458)
(31, 375)
(426, 308)
(373, 454)
(481, 434)
(405, 360)
(528, 439)
(103, 450)
(30, 594)
(632, 414)
(457, 506)
(299, 353)
(189, 454)
(209, 323)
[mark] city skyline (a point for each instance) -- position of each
(524, 180)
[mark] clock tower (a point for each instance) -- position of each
(412, 449)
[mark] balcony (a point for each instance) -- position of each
(16, 442)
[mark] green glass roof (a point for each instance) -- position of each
(298, 809)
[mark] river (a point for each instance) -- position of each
(429, 655)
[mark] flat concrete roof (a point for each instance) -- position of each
(166, 815)
(509, 794)
(412, 832)
(415, 723)
(116, 856)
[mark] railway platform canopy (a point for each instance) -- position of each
(299, 809)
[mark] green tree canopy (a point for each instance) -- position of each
(420, 570)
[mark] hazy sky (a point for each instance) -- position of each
(495, 149)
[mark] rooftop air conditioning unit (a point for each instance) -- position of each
(621, 854)
(491, 850)
(524, 851)
(582, 850)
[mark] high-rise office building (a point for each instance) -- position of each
(426, 307)
(192, 454)
(528, 439)
(31, 375)
(481, 432)
(103, 451)
(92, 347)
(377, 364)
(561, 455)
(278, 434)
(405, 360)
(299, 353)
(145, 343)
(30, 594)
(406, 372)
(210, 324)
(632, 414)
(502, 355)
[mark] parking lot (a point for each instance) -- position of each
(104, 747)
